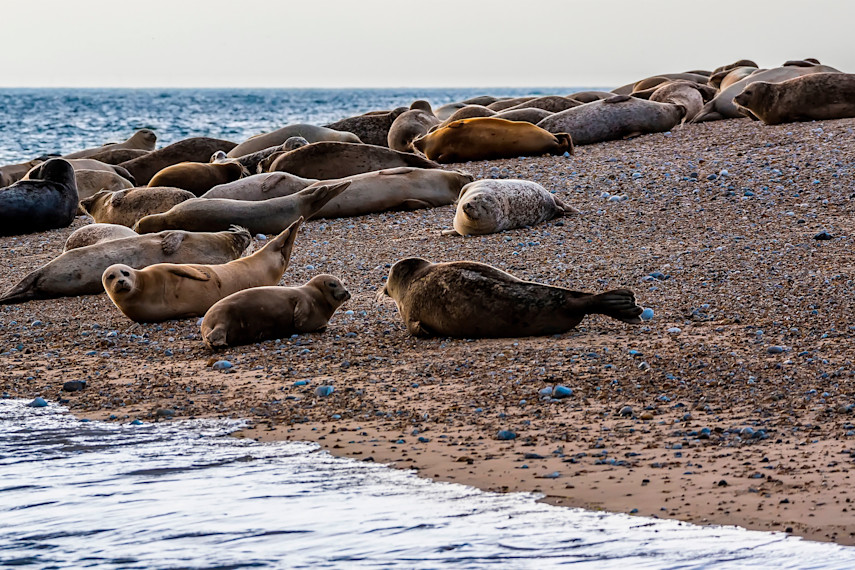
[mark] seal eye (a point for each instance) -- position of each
(125, 273)
(110, 277)
(333, 285)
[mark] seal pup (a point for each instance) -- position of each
(127, 207)
(492, 206)
(330, 160)
(311, 133)
(267, 217)
(96, 233)
(143, 139)
(371, 128)
(260, 187)
(78, 271)
(264, 313)
(43, 203)
(198, 177)
(486, 138)
(194, 149)
(619, 116)
(466, 299)
(410, 125)
(90, 182)
(815, 97)
(172, 291)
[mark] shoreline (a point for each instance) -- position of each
(741, 273)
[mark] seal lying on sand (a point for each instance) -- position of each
(472, 300)
(491, 206)
(410, 125)
(143, 139)
(172, 291)
(486, 138)
(199, 177)
(263, 313)
(330, 160)
(127, 207)
(90, 182)
(260, 187)
(816, 97)
(311, 133)
(43, 203)
(79, 271)
(194, 149)
(371, 128)
(97, 233)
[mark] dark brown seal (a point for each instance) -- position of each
(466, 299)
(199, 177)
(195, 149)
(328, 160)
(371, 128)
(45, 202)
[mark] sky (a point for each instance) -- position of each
(385, 43)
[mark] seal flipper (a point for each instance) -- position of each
(564, 207)
(413, 204)
(618, 304)
(415, 328)
(189, 272)
(25, 290)
(216, 337)
(171, 242)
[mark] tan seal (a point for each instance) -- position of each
(529, 115)
(508, 102)
(815, 97)
(267, 217)
(410, 125)
(199, 177)
(657, 79)
(90, 182)
(172, 291)
(264, 313)
(143, 139)
(719, 73)
(194, 149)
(127, 207)
(688, 94)
(79, 271)
(11, 173)
(491, 206)
(467, 112)
(487, 138)
(260, 187)
(311, 133)
(97, 233)
(330, 160)
(466, 299)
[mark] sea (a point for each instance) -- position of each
(186, 494)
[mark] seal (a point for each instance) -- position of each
(44, 203)
(11, 173)
(330, 160)
(260, 187)
(719, 73)
(551, 103)
(143, 139)
(267, 217)
(531, 115)
(119, 155)
(620, 116)
(126, 207)
(264, 313)
(487, 138)
(660, 78)
(97, 233)
(723, 107)
(814, 97)
(410, 125)
(195, 149)
(492, 206)
(198, 177)
(466, 299)
(467, 112)
(445, 112)
(311, 133)
(509, 102)
(589, 96)
(90, 182)
(79, 271)
(687, 94)
(371, 128)
(167, 291)
(83, 164)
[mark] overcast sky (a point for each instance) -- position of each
(385, 43)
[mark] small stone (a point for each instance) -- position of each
(74, 386)
(775, 349)
(136, 423)
(647, 415)
(301, 382)
(561, 392)
(324, 391)
(625, 411)
(222, 365)
(722, 483)
(505, 435)
(823, 235)
(165, 413)
(261, 237)
(39, 402)
(675, 330)
(646, 314)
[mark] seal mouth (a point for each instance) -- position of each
(121, 286)
(342, 296)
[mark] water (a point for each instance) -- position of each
(42, 121)
(184, 495)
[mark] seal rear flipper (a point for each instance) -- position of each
(618, 304)
(216, 337)
(25, 290)
(451, 232)
(563, 207)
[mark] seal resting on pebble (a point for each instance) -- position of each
(198, 177)
(688, 94)
(194, 149)
(617, 117)
(372, 127)
(551, 103)
(492, 206)
(143, 139)
(466, 299)
(529, 115)
(127, 207)
(83, 164)
(816, 97)
(90, 182)
(486, 138)
(410, 125)
(119, 155)
(11, 173)
(263, 313)
(43, 203)
(79, 271)
(311, 133)
(260, 187)
(329, 160)
(267, 217)
(172, 291)
(97, 233)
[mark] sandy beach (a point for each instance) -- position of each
(734, 405)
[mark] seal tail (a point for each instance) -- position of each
(25, 290)
(618, 304)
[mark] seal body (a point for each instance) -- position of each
(330, 160)
(45, 203)
(90, 182)
(529, 115)
(79, 271)
(198, 177)
(11, 173)
(687, 94)
(491, 206)
(83, 164)
(194, 149)
(263, 313)
(267, 217)
(119, 155)
(143, 139)
(127, 207)
(409, 126)
(508, 102)
(467, 112)
(97, 233)
(551, 103)
(311, 133)
(260, 187)
(466, 299)
(488, 138)
(172, 291)
(614, 118)
(815, 97)
(371, 128)
(657, 79)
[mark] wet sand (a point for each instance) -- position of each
(733, 405)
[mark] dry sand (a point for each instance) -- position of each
(690, 416)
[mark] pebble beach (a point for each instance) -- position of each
(734, 404)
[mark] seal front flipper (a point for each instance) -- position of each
(189, 272)
(413, 204)
(618, 304)
(449, 233)
(171, 241)
(216, 337)
(415, 328)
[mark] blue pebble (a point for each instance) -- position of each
(546, 391)
(167, 352)
(336, 416)
(222, 365)
(775, 349)
(260, 237)
(36, 323)
(561, 392)
(712, 177)
(424, 439)
(324, 391)
(113, 417)
(505, 435)
(301, 382)
(136, 423)
(199, 321)
(38, 403)
(646, 314)
(310, 268)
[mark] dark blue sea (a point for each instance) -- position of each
(77, 494)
